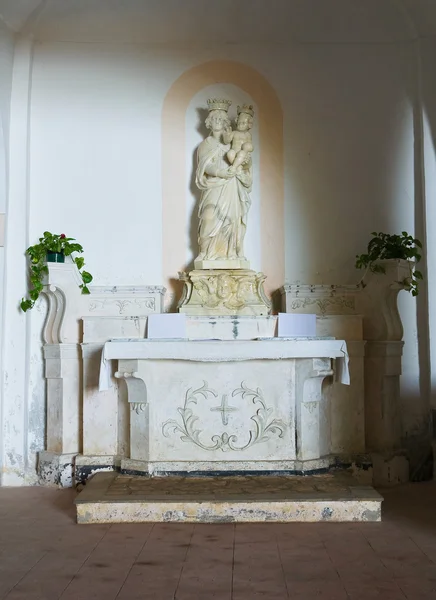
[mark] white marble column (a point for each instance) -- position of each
(427, 306)
(16, 468)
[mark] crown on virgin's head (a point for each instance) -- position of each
(247, 109)
(218, 104)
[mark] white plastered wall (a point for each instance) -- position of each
(94, 165)
(6, 64)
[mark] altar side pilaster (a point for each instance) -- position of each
(110, 312)
(87, 430)
(139, 409)
(336, 308)
(383, 411)
(61, 336)
(62, 371)
(313, 419)
(383, 331)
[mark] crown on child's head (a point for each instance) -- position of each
(247, 109)
(218, 104)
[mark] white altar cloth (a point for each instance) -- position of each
(224, 351)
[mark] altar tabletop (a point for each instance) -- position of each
(224, 351)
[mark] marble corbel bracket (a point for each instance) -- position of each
(390, 325)
(62, 288)
(380, 301)
(260, 280)
(313, 437)
(52, 332)
(139, 419)
(136, 388)
(187, 289)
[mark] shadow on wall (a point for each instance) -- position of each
(347, 162)
(420, 425)
(354, 165)
(417, 430)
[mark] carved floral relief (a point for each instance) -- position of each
(262, 426)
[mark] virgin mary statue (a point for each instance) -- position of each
(225, 198)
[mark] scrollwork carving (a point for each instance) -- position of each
(138, 407)
(263, 429)
(323, 303)
(225, 290)
(52, 332)
(121, 304)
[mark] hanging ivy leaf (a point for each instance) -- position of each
(384, 246)
(57, 243)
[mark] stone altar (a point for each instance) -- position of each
(243, 401)
(227, 406)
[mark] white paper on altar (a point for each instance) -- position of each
(166, 326)
(224, 351)
(296, 325)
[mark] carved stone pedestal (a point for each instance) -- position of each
(229, 264)
(224, 292)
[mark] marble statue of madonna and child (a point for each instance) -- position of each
(224, 176)
(222, 282)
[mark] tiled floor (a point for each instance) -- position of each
(44, 555)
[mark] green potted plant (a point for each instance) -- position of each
(384, 246)
(52, 248)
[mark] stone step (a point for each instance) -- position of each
(114, 498)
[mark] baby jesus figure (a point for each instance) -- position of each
(240, 139)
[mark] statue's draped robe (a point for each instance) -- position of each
(224, 203)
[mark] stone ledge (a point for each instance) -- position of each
(112, 498)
